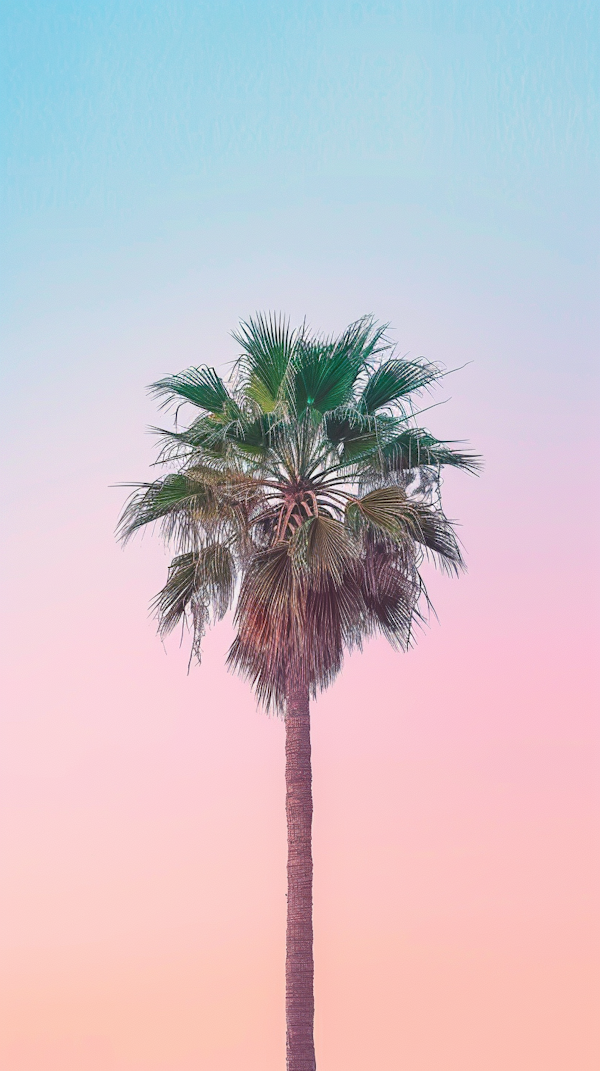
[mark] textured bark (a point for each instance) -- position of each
(299, 965)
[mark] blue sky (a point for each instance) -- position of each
(130, 116)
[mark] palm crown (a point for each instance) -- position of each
(306, 478)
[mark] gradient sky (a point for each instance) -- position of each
(170, 168)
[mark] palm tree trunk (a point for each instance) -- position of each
(299, 965)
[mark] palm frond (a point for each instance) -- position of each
(366, 340)
(325, 371)
(268, 345)
(270, 621)
(252, 435)
(367, 440)
(172, 601)
(396, 379)
(347, 423)
(204, 438)
(197, 583)
(386, 510)
(200, 386)
(323, 549)
(165, 499)
(391, 589)
(192, 503)
(435, 532)
(415, 447)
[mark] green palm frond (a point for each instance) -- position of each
(365, 340)
(198, 582)
(326, 371)
(396, 379)
(322, 379)
(200, 386)
(205, 437)
(268, 345)
(191, 504)
(253, 435)
(364, 442)
(414, 448)
(348, 423)
(166, 499)
(180, 590)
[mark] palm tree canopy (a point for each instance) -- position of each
(305, 485)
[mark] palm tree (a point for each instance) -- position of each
(305, 485)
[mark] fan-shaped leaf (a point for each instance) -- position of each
(325, 372)
(200, 386)
(387, 510)
(268, 346)
(414, 448)
(396, 379)
(436, 533)
(324, 549)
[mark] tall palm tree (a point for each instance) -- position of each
(305, 485)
